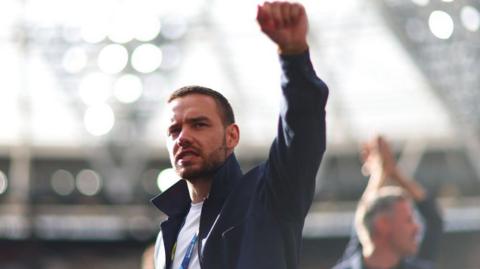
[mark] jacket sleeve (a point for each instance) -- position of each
(433, 229)
(296, 152)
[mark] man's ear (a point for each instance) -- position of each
(383, 225)
(232, 136)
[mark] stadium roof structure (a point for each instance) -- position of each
(67, 63)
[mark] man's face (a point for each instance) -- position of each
(197, 141)
(404, 229)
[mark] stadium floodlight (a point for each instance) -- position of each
(470, 18)
(75, 59)
(3, 183)
(147, 58)
(421, 2)
(441, 24)
(166, 179)
(99, 120)
(88, 182)
(128, 88)
(113, 58)
(146, 28)
(62, 182)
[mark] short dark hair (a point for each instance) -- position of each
(222, 102)
(380, 203)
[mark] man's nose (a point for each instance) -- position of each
(184, 138)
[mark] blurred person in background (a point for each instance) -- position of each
(387, 233)
(219, 217)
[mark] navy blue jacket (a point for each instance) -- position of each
(261, 213)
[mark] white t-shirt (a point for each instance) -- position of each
(184, 239)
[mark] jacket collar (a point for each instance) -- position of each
(176, 200)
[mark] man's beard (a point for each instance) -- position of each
(208, 168)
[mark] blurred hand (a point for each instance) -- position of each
(389, 164)
(370, 158)
(378, 158)
(379, 162)
(285, 24)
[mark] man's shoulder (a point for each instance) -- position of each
(255, 177)
(344, 264)
(418, 263)
(257, 171)
(351, 262)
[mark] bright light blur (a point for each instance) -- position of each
(470, 18)
(113, 58)
(93, 32)
(99, 120)
(63, 182)
(71, 34)
(128, 88)
(146, 28)
(3, 182)
(421, 2)
(88, 182)
(75, 60)
(174, 28)
(10, 119)
(95, 88)
(146, 58)
(9, 12)
(121, 28)
(166, 179)
(441, 24)
(172, 57)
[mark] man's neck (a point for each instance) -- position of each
(381, 258)
(199, 189)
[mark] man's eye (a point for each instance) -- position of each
(199, 124)
(173, 131)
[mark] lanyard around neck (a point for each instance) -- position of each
(189, 253)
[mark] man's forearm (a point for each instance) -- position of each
(415, 190)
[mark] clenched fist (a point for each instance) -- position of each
(285, 24)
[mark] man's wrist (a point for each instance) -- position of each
(396, 174)
(293, 49)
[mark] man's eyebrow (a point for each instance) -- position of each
(197, 119)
